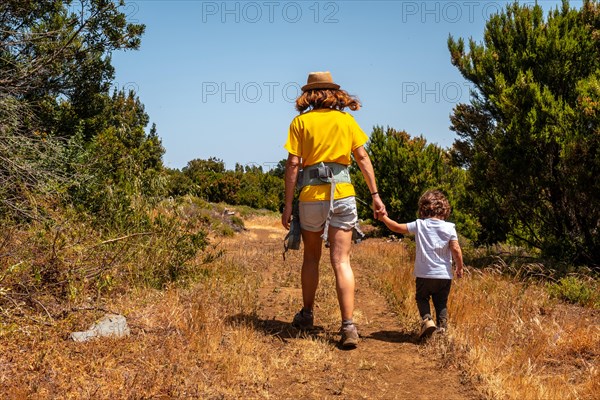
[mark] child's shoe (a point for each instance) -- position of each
(427, 328)
(442, 326)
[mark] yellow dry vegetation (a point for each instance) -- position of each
(217, 338)
(506, 335)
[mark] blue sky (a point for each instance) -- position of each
(219, 78)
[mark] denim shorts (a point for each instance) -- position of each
(314, 213)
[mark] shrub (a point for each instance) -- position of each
(575, 290)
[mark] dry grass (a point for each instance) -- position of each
(182, 345)
(198, 340)
(508, 336)
(391, 266)
(522, 345)
(224, 335)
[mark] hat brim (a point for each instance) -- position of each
(320, 85)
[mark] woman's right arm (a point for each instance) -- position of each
(291, 175)
(364, 163)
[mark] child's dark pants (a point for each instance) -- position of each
(438, 290)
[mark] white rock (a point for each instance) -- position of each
(111, 325)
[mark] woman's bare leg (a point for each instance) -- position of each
(341, 243)
(313, 245)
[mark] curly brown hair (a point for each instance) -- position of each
(433, 204)
(326, 98)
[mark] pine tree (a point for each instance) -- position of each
(530, 135)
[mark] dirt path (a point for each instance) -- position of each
(387, 364)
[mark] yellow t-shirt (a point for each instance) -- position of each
(325, 135)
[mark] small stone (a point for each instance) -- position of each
(111, 325)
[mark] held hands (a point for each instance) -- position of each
(378, 207)
(381, 215)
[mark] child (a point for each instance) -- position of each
(437, 245)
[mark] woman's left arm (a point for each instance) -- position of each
(364, 163)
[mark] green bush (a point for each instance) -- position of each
(575, 290)
(208, 179)
(405, 167)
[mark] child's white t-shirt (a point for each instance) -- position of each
(433, 258)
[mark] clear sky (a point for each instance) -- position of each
(219, 78)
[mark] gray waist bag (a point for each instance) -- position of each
(319, 174)
(323, 174)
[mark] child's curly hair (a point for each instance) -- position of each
(326, 98)
(433, 204)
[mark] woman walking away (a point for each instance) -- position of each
(320, 142)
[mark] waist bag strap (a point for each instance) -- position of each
(325, 234)
(325, 174)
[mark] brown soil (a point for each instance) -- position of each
(389, 362)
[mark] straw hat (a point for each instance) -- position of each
(320, 80)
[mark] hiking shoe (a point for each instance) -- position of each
(427, 328)
(349, 336)
(440, 331)
(302, 321)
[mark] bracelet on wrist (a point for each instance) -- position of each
(374, 193)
